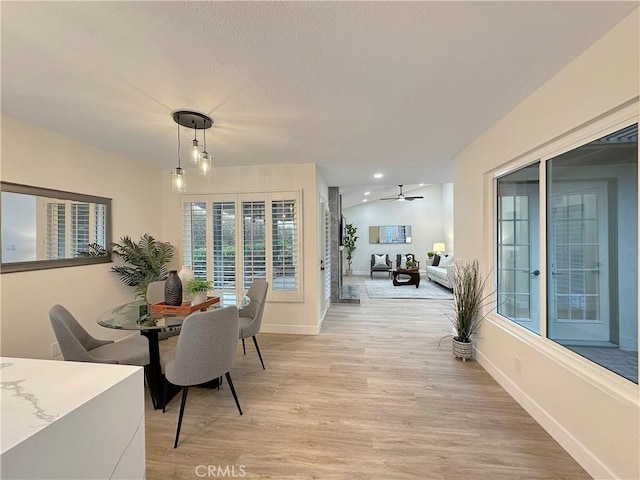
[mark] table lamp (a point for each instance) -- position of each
(438, 248)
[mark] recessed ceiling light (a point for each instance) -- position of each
(364, 200)
(367, 193)
(421, 185)
(377, 175)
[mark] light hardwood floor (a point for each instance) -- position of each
(374, 396)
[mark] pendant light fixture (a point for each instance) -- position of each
(197, 121)
(205, 158)
(178, 177)
(195, 151)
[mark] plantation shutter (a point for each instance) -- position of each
(253, 242)
(284, 236)
(194, 237)
(235, 239)
(224, 246)
(56, 230)
(79, 228)
(100, 225)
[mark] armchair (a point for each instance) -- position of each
(407, 256)
(380, 263)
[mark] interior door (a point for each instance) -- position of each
(578, 255)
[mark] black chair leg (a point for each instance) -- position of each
(244, 349)
(184, 401)
(165, 394)
(255, 342)
(233, 391)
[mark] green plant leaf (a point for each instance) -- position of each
(146, 261)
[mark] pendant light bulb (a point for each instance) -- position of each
(178, 180)
(195, 152)
(205, 164)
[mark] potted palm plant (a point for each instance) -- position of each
(469, 301)
(146, 261)
(350, 239)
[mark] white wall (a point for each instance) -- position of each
(425, 217)
(33, 156)
(279, 317)
(447, 216)
(591, 412)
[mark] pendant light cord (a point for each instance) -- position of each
(178, 143)
(204, 139)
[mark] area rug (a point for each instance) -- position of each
(383, 288)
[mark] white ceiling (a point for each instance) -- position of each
(356, 87)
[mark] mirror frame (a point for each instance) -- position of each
(63, 262)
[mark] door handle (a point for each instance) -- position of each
(535, 272)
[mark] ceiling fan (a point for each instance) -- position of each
(401, 197)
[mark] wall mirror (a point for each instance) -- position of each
(43, 228)
(390, 234)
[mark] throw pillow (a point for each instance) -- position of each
(436, 260)
(381, 260)
(446, 260)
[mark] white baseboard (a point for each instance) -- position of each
(290, 329)
(577, 450)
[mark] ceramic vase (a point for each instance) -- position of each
(185, 275)
(173, 289)
(463, 350)
(198, 297)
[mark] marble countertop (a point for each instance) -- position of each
(36, 393)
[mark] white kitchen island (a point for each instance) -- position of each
(71, 420)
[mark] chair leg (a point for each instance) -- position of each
(165, 393)
(255, 342)
(244, 349)
(184, 401)
(233, 391)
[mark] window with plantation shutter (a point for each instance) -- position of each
(235, 239)
(284, 236)
(224, 246)
(194, 237)
(254, 253)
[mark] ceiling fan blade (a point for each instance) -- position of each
(390, 198)
(412, 198)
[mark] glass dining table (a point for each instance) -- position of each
(136, 315)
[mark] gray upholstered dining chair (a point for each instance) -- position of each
(251, 316)
(77, 345)
(205, 351)
(155, 292)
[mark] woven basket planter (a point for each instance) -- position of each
(462, 350)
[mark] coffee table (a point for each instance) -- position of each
(412, 273)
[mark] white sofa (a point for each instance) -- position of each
(442, 274)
